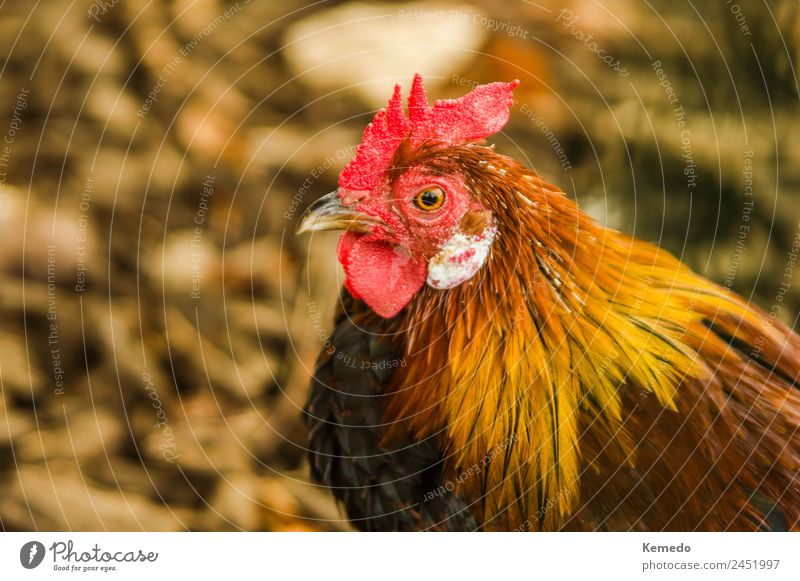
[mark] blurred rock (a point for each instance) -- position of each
(199, 438)
(236, 501)
(55, 241)
(258, 267)
(18, 376)
(188, 264)
(289, 147)
(36, 501)
(366, 48)
(13, 425)
(91, 435)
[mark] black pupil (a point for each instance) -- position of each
(429, 198)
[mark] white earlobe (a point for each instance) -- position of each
(460, 258)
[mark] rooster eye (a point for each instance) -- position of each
(429, 199)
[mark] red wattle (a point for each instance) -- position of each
(382, 275)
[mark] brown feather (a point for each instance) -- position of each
(585, 380)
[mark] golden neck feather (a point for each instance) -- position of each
(509, 368)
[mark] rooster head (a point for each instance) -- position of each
(409, 220)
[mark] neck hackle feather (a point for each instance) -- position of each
(587, 380)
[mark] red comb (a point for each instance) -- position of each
(478, 114)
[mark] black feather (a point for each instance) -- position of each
(394, 488)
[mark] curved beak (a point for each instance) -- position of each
(328, 213)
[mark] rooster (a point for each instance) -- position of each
(500, 361)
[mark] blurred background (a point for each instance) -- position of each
(159, 316)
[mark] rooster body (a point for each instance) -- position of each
(502, 362)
